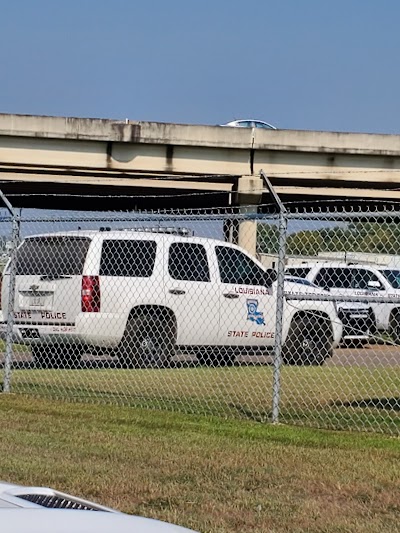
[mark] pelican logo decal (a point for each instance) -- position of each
(34, 288)
(253, 314)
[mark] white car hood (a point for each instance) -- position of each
(72, 521)
(45, 510)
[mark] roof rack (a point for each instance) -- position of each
(184, 232)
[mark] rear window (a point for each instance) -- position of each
(128, 258)
(52, 256)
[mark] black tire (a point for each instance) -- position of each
(394, 327)
(44, 356)
(148, 341)
(373, 329)
(69, 356)
(309, 341)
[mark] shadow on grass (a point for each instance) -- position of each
(390, 404)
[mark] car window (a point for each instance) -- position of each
(245, 123)
(236, 267)
(52, 256)
(188, 262)
(298, 272)
(262, 125)
(361, 278)
(393, 277)
(128, 258)
(338, 278)
(300, 281)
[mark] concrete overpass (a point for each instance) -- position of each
(162, 165)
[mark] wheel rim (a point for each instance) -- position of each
(312, 346)
(309, 346)
(150, 350)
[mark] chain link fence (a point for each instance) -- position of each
(289, 317)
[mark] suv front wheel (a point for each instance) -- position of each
(309, 341)
(394, 326)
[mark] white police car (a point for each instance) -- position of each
(44, 510)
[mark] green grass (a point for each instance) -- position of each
(210, 474)
(329, 397)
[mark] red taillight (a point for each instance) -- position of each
(90, 294)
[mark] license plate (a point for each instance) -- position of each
(37, 301)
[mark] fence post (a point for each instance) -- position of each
(11, 293)
(280, 300)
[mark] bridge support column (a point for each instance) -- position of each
(249, 197)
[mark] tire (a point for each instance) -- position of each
(69, 356)
(394, 327)
(148, 341)
(309, 341)
(373, 329)
(44, 356)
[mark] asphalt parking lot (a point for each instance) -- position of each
(369, 355)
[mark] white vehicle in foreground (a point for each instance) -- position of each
(44, 510)
(142, 295)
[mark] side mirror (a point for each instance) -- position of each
(270, 276)
(374, 285)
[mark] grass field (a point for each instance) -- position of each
(213, 475)
(329, 397)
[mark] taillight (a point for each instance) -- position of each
(90, 294)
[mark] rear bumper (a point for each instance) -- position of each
(91, 329)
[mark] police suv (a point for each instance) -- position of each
(359, 280)
(142, 295)
(355, 316)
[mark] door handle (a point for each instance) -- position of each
(177, 291)
(231, 295)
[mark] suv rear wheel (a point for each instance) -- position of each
(149, 340)
(44, 355)
(309, 341)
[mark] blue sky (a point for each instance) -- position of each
(299, 64)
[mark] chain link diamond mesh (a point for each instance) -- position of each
(173, 310)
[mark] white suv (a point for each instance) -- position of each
(359, 280)
(140, 295)
(355, 316)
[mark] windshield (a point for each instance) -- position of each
(301, 281)
(393, 277)
(52, 256)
